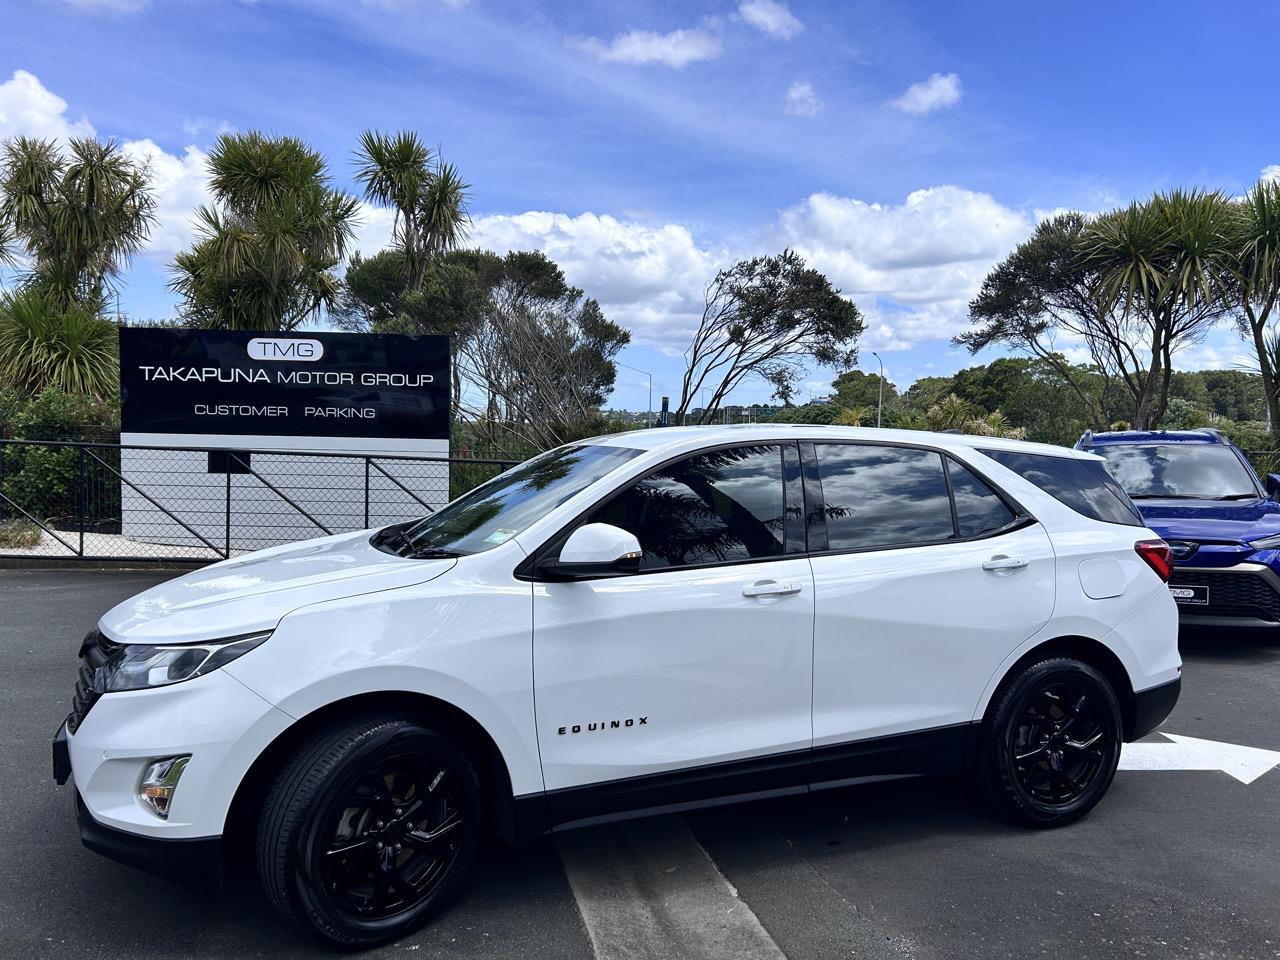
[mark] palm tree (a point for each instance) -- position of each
(1250, 260)
(429, 197)
(1159, 263)
(78, 215)
(45, 343)
(265, 254)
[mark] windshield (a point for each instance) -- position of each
(496, 511)
(1199, 471)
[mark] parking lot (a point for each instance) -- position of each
(1175, 862)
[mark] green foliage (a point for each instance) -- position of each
(78, 214)
(854, 388)
(46, 343)
(265, 255)
(43, 480)
(823, 413)
(18, 535)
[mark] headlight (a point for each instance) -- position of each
(1266, 543)
(136, 667)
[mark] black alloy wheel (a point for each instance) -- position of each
(1051, 742)
(368, 830)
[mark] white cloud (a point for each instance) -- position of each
(677, 49)
(28, 109)
(770, 17)
(1270, 173)
(801, 100)
(911, 267)
(180, 184)
(939, 91)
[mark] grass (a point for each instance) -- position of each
(18, 535)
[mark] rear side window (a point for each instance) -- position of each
(1083, 485)
(979, 509)
(722, 506)
(882, 496)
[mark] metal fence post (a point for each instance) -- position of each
(81, 498)
(366, 493)
(227, 517)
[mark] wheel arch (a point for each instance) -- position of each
(495, 777)
(1093, 652)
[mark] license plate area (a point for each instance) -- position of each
(1189, 595)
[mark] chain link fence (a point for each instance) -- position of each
(112, 501)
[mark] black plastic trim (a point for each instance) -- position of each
(195, 861)
(1151, 707)
(938, 750)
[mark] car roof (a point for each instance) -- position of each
(1156, 436)
(677, 439)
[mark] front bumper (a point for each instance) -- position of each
(1244, 594)
(196, 861)
(215, 719)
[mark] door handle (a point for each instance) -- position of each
(1001, 564)
(771, 588)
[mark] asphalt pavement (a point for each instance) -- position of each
(1174, 863)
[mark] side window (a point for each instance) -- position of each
(883, 496)
(714, 507)
(979, 509)
(1083, 485)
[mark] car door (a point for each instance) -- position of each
(675, 683)
(925, 579)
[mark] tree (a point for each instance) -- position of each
(46, 343)
(854, 388)
(1250, 262)
(540, 364)
(1046, 291)
(1158, 265)
(265, 254)
(765, 317)
(428, 196)
(78, 215)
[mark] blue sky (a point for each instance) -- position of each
(903, 148)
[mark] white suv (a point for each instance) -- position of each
(642, 622)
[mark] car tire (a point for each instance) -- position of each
(368, 830)
(1050, 744)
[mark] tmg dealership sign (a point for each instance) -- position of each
(331, 431)
(203, 383)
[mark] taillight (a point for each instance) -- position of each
(1158, 556)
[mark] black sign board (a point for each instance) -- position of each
(284, 384)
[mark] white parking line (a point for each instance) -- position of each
(647, 890)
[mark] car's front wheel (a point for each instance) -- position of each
(367, 830)
(1051, 742)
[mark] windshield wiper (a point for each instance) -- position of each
(434, 553)
(1164, 496)
(1239, 496)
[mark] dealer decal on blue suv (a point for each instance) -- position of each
(1222, 521)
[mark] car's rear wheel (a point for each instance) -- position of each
(1051, 742)
(368, 830)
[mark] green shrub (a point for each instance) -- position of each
(18, 535)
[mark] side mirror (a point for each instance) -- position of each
(595, 550)
(1272, 485)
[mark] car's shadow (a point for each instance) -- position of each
(1230, 645)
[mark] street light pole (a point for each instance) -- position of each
(880, 398)
(649, 418)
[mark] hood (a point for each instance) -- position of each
(1212, 520)
(254, 592)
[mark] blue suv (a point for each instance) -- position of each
(1199, 492)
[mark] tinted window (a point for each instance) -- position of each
(1083, 485)
(879, 496)
(496, 511)
(715, 507)
(979, 509)
(1204, 471)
